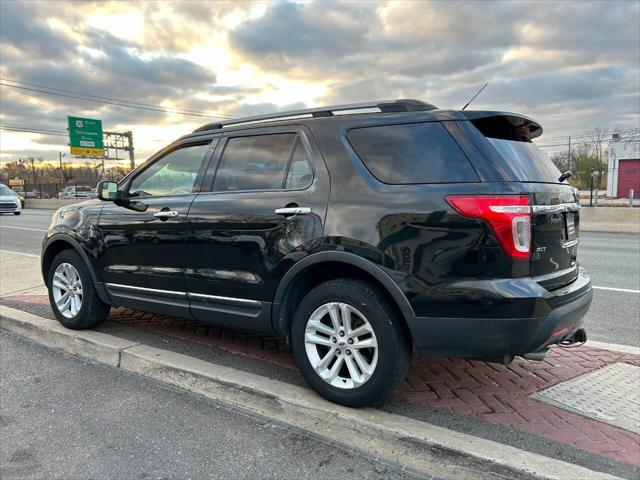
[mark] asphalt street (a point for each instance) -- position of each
(64, 418)
(612, 259)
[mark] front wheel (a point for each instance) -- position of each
(17, 213)
(350, 345)
(72, 295)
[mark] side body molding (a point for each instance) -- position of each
(73, 243)
(281, 325)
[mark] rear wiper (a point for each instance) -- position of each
(565, 176)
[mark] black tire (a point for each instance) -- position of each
(394, 342)
(17, 213)
(93, 311)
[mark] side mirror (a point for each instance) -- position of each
(107, 190)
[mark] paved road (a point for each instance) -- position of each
(612, 259)
(23, 233)
(62, 418)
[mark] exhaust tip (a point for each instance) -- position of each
(579, 336)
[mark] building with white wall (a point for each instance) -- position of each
(623, 173)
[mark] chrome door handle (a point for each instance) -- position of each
(166, 214)
(293, 211)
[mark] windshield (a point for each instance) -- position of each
(529, 163)
(4, 190)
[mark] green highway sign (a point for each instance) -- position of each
(85, 137)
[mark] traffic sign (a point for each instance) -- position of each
(85, 137)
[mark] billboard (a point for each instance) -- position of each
(85, 136)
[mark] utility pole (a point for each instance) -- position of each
(569, 154)
(60, 155)
(129, 136)
(33, 167)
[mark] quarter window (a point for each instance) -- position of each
(299, 176)
(411, 153)
(173, 174)
(257, 163)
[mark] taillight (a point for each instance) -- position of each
(508, 215)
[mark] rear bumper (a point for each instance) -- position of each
(496, 337)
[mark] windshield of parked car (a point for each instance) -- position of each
(4, 190)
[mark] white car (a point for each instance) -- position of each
(79, 192)
(9, 201)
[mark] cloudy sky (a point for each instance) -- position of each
(571, 65)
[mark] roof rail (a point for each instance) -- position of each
(208, 126)
(387, 106)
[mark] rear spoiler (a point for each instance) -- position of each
(505, 125)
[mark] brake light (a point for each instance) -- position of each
(508, 215)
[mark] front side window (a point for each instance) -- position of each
(254, 163)
(411, 153)
(173, 174)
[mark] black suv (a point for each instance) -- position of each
(356, 231)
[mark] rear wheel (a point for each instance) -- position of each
(17, 213)
(72, 295)
(349, 343)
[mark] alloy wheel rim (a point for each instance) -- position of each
(341, 345)
(67, 290)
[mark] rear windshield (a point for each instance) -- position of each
(511, 136)
(529, 163)
(411, 153)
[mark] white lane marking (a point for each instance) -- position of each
(626, 290)
(23, 228)
(32, 255)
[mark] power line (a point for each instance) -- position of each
(13, 128)
(100, 97)
(102, 100)
(20, 114)
(583, 142)
(589, 134)
(76, 97)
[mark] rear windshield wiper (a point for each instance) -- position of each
(566, 175)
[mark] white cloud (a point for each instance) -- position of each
(571, 65)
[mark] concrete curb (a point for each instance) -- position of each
(418, 445)
(614, 347)
(97, 346)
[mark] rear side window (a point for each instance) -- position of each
(412, 153)
(254, 163)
